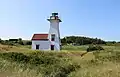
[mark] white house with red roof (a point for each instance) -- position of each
(50, 41)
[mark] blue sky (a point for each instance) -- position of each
(92, 18)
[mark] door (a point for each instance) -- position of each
(37, 47)
(52, 47)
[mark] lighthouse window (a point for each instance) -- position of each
(53, 37)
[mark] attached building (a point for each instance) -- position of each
(50, 41)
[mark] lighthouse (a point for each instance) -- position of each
(51, 40)
(54, 33)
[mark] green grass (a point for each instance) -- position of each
(21, 61)
(75, 48)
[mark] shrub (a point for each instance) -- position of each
(43, 62)
(65, 69)
(12, 56)
(94, 48)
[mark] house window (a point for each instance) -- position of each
(52, 47)
(53, 37)
(37, 47)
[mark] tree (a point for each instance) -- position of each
(0, 40)
(20, 41)
(77, 40)
(64, 41)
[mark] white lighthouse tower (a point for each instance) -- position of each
(54, 33)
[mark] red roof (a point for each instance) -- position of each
(40, 37)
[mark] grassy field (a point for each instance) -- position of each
(21, 61)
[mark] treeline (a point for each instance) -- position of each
(78, 40)
(74, 40)
(18, 41)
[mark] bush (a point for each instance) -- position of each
(46, 63)
(94, 48)
(12, 56)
